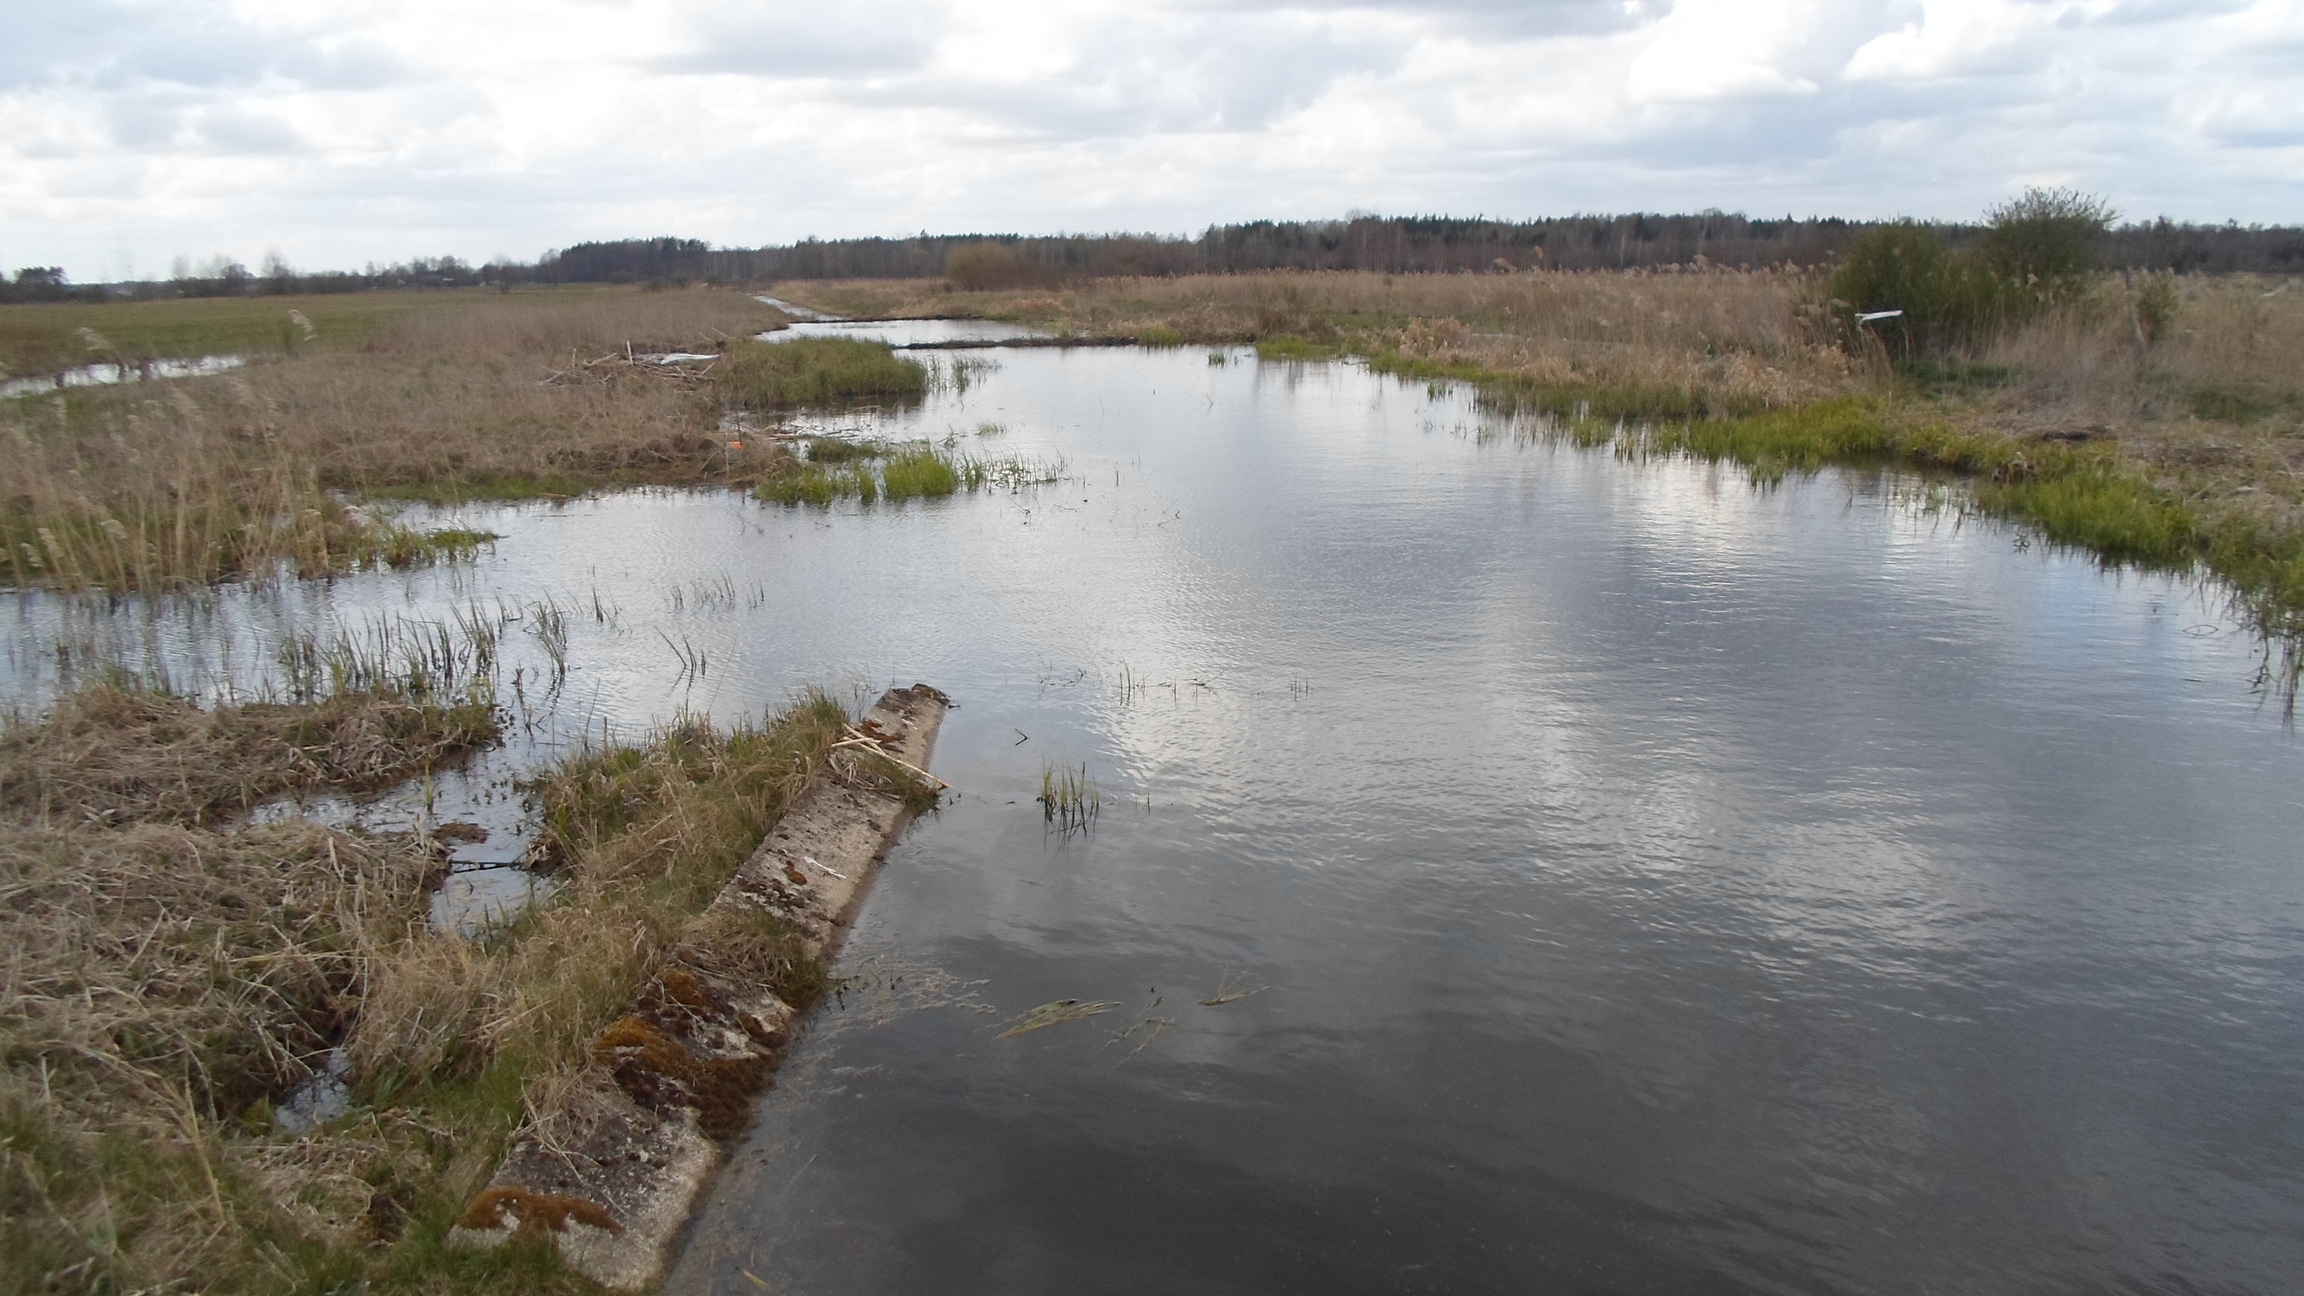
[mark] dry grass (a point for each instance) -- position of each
(162, 982)
(2214, 411)
(1753, 340)
(642, 838)
(110, 755)
(166, 981)
(179, 483)
(164, 978)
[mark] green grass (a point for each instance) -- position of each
(2226, 405)
(819, 484)
(918, 471)
(829, 450)
(45, 337)
(1068, 798)
(825, 372)
(1296, 348)
(914, 471)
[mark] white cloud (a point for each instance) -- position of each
(379, 129)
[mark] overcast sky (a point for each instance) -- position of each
(136, 131)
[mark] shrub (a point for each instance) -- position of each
(981, 267)
(2157, 300)
(2046, 238)
(1949, 300)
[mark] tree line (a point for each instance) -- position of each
(1390, 244)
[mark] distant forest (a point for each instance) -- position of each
(1410, 244)
(1394, 245)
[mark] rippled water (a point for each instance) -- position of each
(1616, 878)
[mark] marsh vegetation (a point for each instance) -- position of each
(426, 396)
(173, 973)
(867, 472)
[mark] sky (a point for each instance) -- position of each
(332, 134)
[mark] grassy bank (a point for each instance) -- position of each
(437, 395)
(170, 980)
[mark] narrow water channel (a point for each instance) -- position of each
(1515, 868)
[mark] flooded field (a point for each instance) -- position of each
(1488, 865)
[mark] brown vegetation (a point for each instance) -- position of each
(167, 981)
(1759, 337)
(111, 755)
(164, 485)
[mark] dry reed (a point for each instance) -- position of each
(166, 485)
(166, 981)
(108, 755)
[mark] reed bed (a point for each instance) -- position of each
(821, 372)
(168, 980)
(1758, 339)
(172, 484)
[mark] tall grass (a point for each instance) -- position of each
(819, 372)
(1751, 340)
(916, 470)
(164, 485)
(169, 495)
(168, 981)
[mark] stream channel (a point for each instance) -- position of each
(1516, 868)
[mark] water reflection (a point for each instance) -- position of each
(102, 375)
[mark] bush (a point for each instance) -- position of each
(2045, 239)
(1949, 301)
(2157, 301)
(981, 267)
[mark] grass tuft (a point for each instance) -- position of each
(819, 372)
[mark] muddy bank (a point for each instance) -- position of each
(613, 1186)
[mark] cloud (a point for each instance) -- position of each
(387, 128)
